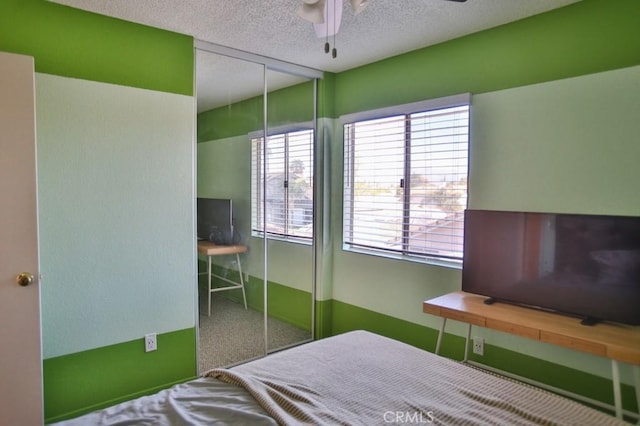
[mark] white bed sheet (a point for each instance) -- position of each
(204, 401)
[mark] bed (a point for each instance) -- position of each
(356, 378)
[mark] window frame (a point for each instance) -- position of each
(256, 194)
(397, 110)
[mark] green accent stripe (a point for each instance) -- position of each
(290, 105)
(237, 119)
(583, 38)
(286, 106)
(324, 315)
(287, 304)
(78, 383)
(73, 43)
(346, 317)
(326, 97)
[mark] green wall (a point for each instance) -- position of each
(90, 67)
(583, 38)
(81, 382)
(285, 106)
(586, 37)
(563, 146)
(73, 43)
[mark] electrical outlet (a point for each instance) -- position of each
(150, 342)
(478, 345)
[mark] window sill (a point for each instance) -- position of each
(288, 239)
(451, 264)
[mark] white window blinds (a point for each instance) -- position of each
(282, 196)
(406, 183)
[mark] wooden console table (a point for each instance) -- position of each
(618, 342)
(210, 249)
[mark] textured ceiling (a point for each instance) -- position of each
(272, 28)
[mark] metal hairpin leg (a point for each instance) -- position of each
(617, 397)
(440, 334)
(235, 285)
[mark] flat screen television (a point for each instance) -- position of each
(582, 265)
(215, 220)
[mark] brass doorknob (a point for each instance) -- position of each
(24, 279)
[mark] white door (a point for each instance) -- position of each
(20, 347)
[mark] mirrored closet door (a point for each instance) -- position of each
(228, 333)
(262, 189)
(288, 209)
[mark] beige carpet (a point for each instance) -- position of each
(232, 334)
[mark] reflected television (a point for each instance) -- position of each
(215, 220)
(582, 265)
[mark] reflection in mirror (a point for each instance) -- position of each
(227, 113)
(288, 211)
(270, 185)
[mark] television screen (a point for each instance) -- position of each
(215, 220)
(585, 265)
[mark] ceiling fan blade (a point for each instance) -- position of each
(312, 11)
(358, 5)
(459, 1)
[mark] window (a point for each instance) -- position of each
(405, 179)
(288, 182)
